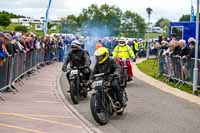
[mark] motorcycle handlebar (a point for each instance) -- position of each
(75, 67)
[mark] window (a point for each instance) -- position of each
(177, 31)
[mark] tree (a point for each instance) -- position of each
(49, 25)
(103, 21)
(4, 20)
(100, 21)
(69, 24)
(133, 24)
(185, 17)
(21, 28)
(164, 24)
(11, 15)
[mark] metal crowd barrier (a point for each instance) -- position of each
(177, 69)
(14, 67)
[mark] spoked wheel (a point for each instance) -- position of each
(74, 93)
(102, 115)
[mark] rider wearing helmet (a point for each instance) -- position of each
(78, 57)
(108, 66)
(122, 50)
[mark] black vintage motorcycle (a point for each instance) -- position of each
(77, 83)
(102, 101)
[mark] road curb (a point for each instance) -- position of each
(163, 86)
(85, 123)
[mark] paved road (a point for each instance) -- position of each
(37, 107)
(149, 111)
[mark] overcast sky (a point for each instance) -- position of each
(171, 9)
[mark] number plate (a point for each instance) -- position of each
(98, 83)
(73, 72)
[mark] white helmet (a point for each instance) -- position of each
(122, 41)
(75, 44)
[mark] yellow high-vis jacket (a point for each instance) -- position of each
(136, 46)
(123, 52)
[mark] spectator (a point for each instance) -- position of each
(191, 53)
(60, 49)
(177, 48)
(9, 46)
(3, 50)
(168, 58)
(184, 50)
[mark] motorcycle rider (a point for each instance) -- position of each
(108, 66)
(122, 50)
(78, 57)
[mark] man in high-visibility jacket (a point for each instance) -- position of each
(122, 50)
(135, 47)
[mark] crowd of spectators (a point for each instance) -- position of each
(176, 48)
(176, 58)
(12, 43)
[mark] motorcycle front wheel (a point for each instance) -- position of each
(74, 93)
(101, 116)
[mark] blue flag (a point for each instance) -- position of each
(46, 18)
(192, 12)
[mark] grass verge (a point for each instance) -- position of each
(150, 67)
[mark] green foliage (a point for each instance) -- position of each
(104, 20)
(4, 20)
(69, 24)
(185, 17)
(133, 25)
(164, 24)
(21, 29)
(49, 25)
(11, 15)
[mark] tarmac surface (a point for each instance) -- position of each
(149, 110)
(37, 107)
